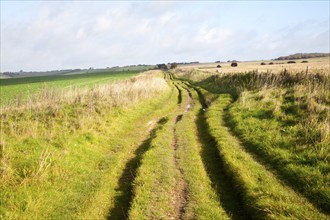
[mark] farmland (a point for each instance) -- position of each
(195, 142)
(320, 64)
(20, 89)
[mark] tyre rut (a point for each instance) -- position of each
(181, 192)
(180, 196)
(233, 196)
(125, 182)
(229, 197)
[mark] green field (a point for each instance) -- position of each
(176, 144)
(22, 88)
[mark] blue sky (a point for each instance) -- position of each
(47, 35)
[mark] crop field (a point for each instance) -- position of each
(20, 89)
(320, 64)
(187, 143)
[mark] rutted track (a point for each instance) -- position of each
(122, 201)
(221, 183)
(254, 199)
(180, 195)
(159, 189)
(124, 163)
(186, 192)
(192, 167)
(176, 157)
(243, 198)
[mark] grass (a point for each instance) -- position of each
(276, 126)
(203, 201)
(264, 196)
(55, 158)
(154, 185)
(154, 188)
(314, 64)
(183, 190)
(116, 188)
(15, 90)
(283, 121)
(222, 183)
(251, 145)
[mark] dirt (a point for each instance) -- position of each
(180, 195)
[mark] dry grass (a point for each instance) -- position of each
(279, 65)
(41, 112)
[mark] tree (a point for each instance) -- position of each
(173, 65)
(162, 66)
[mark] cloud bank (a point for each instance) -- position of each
(61, 35)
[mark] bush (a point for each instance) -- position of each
(233, 64)
(162, 66)
(271, 63)
(173, 65)
(291, 61)
(304, 61)
(262, 63)
(218, 66)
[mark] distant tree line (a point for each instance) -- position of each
(50, 72)
(289, 62)
(187, 63)
(303, 56)
(163, 66)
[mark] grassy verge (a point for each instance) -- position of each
(275, 125)
(265, 197)
(55, 158)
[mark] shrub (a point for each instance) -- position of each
(173, 65)
(304, 61)
(162, 66)
(233, 64)
(291, 61)
(271, 63)
(218, 66)
(262, 63)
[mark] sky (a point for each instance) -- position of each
(54, 35)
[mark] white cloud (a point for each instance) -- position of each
(61, 35)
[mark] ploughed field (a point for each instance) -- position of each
(177, 144)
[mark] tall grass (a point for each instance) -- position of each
(121, 93)
(56, 150)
